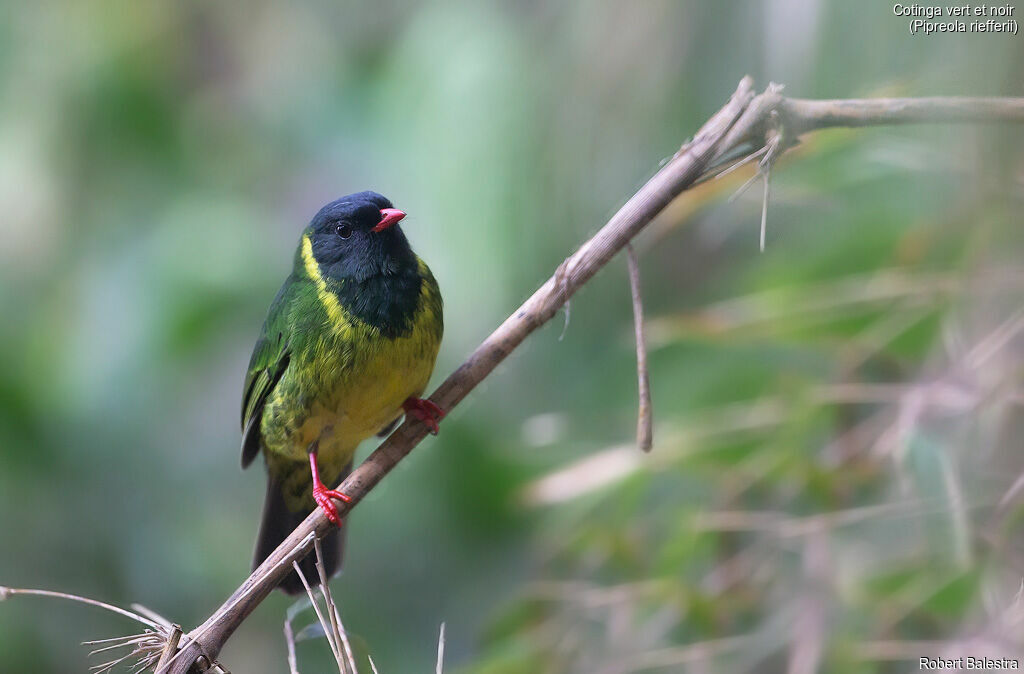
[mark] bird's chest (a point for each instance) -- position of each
(371, 394)
(343, 391)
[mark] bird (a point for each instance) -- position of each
(347, 348)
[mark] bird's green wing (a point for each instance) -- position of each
(268, 363)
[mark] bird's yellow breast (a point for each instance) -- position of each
(367, 396)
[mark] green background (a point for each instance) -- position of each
(831, 448)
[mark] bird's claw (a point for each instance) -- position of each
(428, 412)
(322, 495)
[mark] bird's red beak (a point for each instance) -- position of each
(388, 217)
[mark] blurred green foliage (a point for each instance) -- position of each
(157, 162)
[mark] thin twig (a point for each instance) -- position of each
(644, 421)
(743, 188)
(320, 617)
(764, 168)
(766, 175)
(340, 637)
(152, 615)
(742, 162)
(122, 642)
(440, 652)
(332, 614)
(289, 640)
(6, 592)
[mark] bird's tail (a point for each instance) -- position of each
(277, 522)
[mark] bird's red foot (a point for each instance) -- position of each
(426, 411)
(322, 495)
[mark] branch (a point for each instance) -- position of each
(807, 115)
(768, 120)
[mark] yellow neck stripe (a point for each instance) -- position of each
(339, 321)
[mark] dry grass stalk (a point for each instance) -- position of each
(6, 592)
(334, 629)
(146, 648)
(332, 614)
(328, 633)
(440, 652)
(337, 628)
(644, 422)
(289, 640)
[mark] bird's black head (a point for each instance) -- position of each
(357, 251)
(358, 237)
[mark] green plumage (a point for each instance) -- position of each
(353, 332)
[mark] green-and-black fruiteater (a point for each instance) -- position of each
(348, 345)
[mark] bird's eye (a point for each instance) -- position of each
(343, 230)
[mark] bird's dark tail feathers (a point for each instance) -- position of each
(275, 526)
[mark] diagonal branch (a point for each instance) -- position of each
(745, 120)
